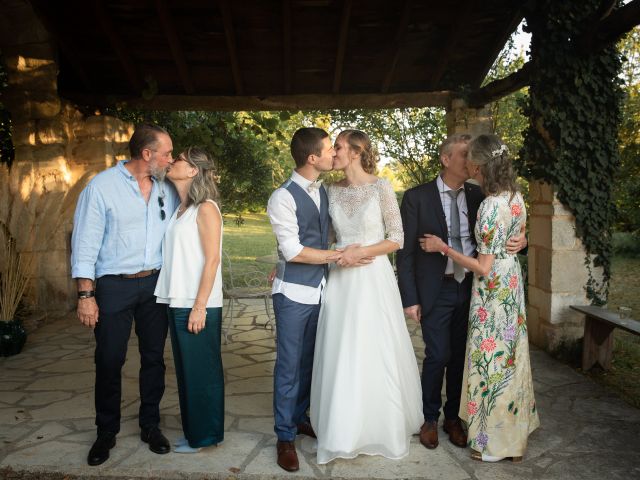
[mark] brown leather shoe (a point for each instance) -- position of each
(287, 456)
(306, 429)
(429, 434)
(457, 436)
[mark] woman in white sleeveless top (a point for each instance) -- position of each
(190, 283)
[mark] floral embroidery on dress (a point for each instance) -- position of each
(499, 389)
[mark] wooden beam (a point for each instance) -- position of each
(612, 27)
(400, 32)
(513, 24)
(174, 44)
(500, 88)
(342, 44)
(286, 45)
(227, 21)
(282, 102)
(461, 20)
(118, 46)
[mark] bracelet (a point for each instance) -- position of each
(82, 294)
(445, 251)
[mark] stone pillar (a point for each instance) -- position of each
(557, 272)
(55, 146)
(463, 119)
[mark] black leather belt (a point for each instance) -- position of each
(142, 274)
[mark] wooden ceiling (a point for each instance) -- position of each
(278, 54)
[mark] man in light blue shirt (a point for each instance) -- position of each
(119, 223)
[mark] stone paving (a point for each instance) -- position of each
(46, 420)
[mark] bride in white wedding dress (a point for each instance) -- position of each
(365, 388)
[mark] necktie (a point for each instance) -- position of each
(456, 241)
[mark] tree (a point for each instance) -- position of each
(251, 149)
(508, 121)
(409, 137)
(627, 193)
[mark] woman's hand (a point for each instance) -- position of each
(197, 319)
(432, 243)
(354, 255)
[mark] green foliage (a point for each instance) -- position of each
(627, 192)
(508, 121)
(574, 112)
(6, 145)
(410, 137)
(251, 149)
(627, 244)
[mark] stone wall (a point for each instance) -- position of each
(557, 272)
(56, 146)
(462, 119)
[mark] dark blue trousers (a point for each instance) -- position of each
(121, 301)
(444, 331)
(199, 375)
(296, 325)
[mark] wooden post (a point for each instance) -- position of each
(597, 346)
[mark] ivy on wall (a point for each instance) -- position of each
(574, 113)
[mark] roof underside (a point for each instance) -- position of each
(200, 50)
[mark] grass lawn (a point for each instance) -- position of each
(244, 243)
(255, 238)
(624, 375)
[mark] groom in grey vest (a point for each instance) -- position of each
(299, 215)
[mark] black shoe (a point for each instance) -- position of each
(99, 452)
(158, 443)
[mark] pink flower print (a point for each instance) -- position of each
(472, 408)
(516, 210)
(485, 228)
(513, 282)
(482, 314)
(488, 345)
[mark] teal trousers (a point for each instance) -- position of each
(200, 376)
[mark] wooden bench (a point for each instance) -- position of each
(597, 345)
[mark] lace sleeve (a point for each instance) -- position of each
(390, 213)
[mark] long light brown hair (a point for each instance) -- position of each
(204, 185)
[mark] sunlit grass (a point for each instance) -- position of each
(244, 243)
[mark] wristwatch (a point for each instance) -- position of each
(82, 294)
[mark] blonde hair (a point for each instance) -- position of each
(360, 143)
(204, 185)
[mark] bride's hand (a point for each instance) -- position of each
(351, 256)
(431, 243)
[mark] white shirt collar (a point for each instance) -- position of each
(443, 187)
(300, 180)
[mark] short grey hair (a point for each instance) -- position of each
(450, 141)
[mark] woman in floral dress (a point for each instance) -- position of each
(497, 402)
